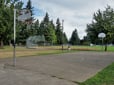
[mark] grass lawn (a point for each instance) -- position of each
(105, 77)
(7, 51)
(44, 50)
(93, 48)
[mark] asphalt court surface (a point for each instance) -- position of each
(57, 69)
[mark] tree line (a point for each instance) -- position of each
(103, 21)
(53, 33)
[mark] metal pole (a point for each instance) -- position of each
(62, 34)
(14, 56)
(102, 44)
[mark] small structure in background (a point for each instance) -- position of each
(34, 41)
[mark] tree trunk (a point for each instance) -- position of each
(1, 44)
(106, 47)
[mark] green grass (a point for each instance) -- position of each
(105, 77)
(92, 48)
(111, 48)
(78, 48)
(7, 51)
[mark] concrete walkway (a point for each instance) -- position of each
(60, 69)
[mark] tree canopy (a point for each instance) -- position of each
(74, 40)
(53, 33)
(103, 21)
(6, 20)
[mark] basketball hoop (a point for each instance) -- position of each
(24, 15)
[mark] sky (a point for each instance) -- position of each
(75, 13)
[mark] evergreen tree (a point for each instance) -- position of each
(58, 32)
(46, 18)
(52, 32)
(36, 26)
(22, 35)
(29, 6)
(41, 28)
(74, 38)
(6, 20)
(47, 29)
(65, 40)
(30, 30)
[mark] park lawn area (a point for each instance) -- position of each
(7, 51)
(111, 48)
(92, 48)
(104, 77)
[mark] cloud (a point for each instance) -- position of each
(76, 13)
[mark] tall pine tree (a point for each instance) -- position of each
(59, 34)
(65, 40)
(29, 6)
(47, 29)
(36, 27)
(52, 33)
(74, 40)
(30, 26)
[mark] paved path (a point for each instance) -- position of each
(60, 69)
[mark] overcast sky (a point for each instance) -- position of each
(75, 13)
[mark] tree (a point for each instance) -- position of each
(41, 28)
(29, 6)
(47, 29)
(59, 32)
(22, 34)
(30, 26)
(85, 41)
(65, 40)
(36, 27)
(6, 20)
(74, 40)
(103, 21)
(52, 33)
(46, 18)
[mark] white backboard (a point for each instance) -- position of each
(102, 35)
(24, 15)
